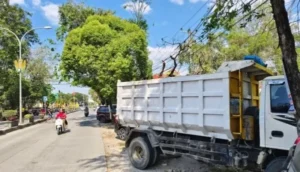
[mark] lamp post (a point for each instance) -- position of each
(20, 61)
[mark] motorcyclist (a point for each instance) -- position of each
(86, 109)
(62, 115)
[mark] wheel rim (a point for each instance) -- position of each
(138, 154)
(122, 133)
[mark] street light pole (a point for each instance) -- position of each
(20, 58)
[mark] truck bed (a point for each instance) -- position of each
(195, 105)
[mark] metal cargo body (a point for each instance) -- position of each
(196, 105)
(210, 105)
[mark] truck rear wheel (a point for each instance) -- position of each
(155, 156)
(140, 153)
(276, 165)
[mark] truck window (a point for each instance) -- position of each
(279, 99)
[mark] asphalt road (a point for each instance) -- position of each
(39, 149)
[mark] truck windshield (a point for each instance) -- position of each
(279, 98)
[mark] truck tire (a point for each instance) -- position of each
(140, 153)
(276, 164)
(155, 156)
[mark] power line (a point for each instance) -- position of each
(184, 26)
(201, 23)
(192, 17)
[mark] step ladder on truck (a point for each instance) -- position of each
(217, 118)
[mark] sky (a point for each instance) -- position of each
(165, 19)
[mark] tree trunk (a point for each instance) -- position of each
(287, 46)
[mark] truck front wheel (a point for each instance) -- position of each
(276, 165)
(140, 153)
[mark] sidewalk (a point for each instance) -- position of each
(5, 126)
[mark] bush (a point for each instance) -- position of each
(9, 113)
(28, 116)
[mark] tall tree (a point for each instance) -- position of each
(105, 49)
(81, 98)
(94, 96)
(288, 49)
(138, 9)
(17, 20)
(38, 73)
(73, 15)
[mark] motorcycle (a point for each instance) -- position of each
(86, 112)
(60, 126)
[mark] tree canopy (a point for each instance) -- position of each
(16, 19)
(138, 9)
(94, 96)
(227, 15)
(73, 15)
(103, 50)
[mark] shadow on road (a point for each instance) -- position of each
(93, 163)
(91, 121)
(65, 132)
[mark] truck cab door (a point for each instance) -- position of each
(280, 127)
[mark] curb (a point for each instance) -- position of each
(5, 131)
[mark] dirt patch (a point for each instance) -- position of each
(117, 158)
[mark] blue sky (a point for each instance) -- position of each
(164, 17)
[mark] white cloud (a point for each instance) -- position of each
(36, 2)
(13, 2)
(157, 54)
(51, 13)
(178, 2)
(143, 7)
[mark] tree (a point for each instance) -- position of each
(10, 97)
(17, 20)
(38, 74)
(202, 57)
(288, 49)
(105, 49)
(81, 98)
(138, 9)
(224, 15)
(94, 96)
(73, 15)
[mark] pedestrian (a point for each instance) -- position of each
(50, 113)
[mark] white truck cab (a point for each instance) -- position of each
(277, 127)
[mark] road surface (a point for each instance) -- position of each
(39, 149)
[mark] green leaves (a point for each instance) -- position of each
(73, 15)
(105, 49)
(18, 21)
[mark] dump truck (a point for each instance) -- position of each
(216, 118)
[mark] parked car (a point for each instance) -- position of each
(35, 111)
(103, 114)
